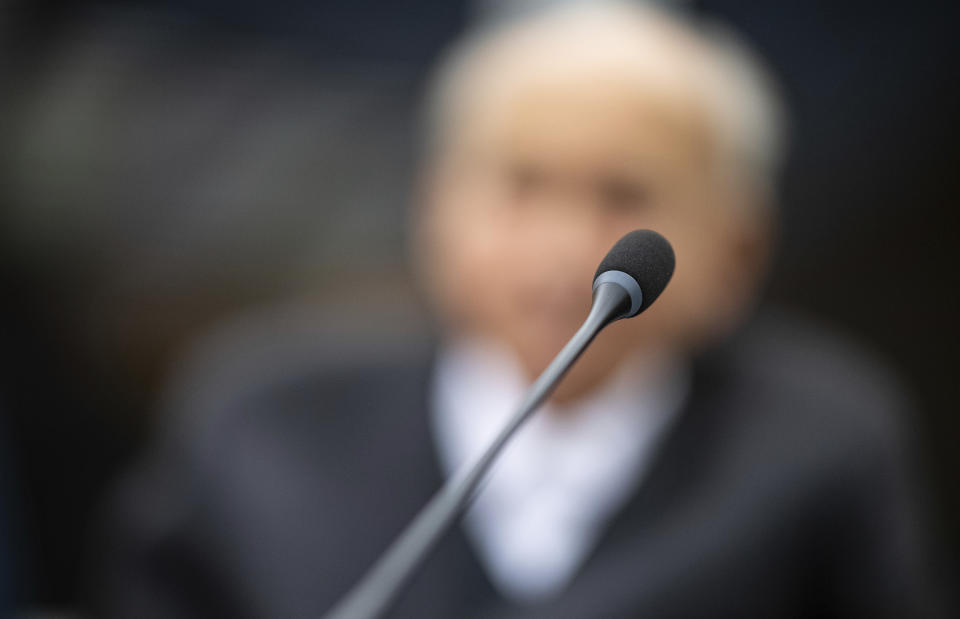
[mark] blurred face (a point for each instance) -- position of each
(539, 183)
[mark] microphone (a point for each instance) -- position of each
(629, 279)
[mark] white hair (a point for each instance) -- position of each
(745, 111)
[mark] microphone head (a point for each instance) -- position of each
(645, 256)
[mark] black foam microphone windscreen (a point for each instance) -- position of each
(645, 256)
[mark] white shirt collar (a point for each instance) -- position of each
(563, 476)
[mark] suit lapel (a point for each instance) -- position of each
(451, 581)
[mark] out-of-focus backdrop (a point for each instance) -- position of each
(167, 166)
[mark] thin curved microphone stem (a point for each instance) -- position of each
(373, 595)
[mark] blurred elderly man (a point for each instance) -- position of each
(693, 464)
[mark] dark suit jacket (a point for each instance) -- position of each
(781, 491)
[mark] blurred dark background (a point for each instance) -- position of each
(167, 165)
